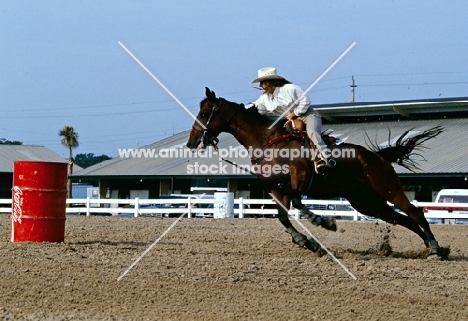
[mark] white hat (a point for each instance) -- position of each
(267, 73)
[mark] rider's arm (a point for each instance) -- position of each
(259, 105)
(297, 94)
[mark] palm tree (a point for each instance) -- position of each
(70, 141)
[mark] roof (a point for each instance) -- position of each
(11, 153)
(445, 154)
(161, 159)
(403, 109)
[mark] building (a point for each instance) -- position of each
(11, 153)
(167, 166)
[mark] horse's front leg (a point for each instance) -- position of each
(297, 238)
(300, 179)
(326, 222)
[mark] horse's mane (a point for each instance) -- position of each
(263, 119)
(252, 113)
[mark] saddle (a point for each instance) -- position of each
(295, 124)
(298, 126)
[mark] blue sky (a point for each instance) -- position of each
(61, 63)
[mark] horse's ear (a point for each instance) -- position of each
(210, 94)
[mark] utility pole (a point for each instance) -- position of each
(352, 88)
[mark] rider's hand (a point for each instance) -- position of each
(290, 115)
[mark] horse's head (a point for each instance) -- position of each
(213, 118)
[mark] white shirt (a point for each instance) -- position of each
(281, 99)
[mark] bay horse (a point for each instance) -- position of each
(360, 175)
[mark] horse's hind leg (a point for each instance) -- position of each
(370, 203)
(400, 200)
(297, 238)
(415, 221)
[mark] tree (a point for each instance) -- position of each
(89, 159)
(4, 141)
(70, 141)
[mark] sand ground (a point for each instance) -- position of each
(230, 269)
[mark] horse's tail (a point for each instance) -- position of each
(402, 150)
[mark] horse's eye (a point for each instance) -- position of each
(203, 115)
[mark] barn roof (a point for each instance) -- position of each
(394, 110)
(11, 153)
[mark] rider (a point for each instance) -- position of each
(280, 95)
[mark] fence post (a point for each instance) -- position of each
(137, 207)
(189, 206)
(355, 215)
(88, 206)
(241, 207)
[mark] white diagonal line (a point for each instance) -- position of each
(314, 83)
(313, 236)
(161, 84)
(156, 242)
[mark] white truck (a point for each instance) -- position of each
(84, 191)
(455, 214)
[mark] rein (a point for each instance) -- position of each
(277, 140)
(232, 163)
(258, 160)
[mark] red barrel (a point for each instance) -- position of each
(39, 197)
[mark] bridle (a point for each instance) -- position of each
(208, 138)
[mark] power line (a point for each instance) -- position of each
(416, 84)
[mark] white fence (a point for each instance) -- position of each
(243, 208)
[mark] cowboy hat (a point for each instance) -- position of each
(266, 74)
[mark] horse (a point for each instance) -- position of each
(360, 175)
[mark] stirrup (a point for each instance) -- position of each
(321, 165)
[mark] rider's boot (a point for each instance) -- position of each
(321, 163)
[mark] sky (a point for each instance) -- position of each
(62, 64)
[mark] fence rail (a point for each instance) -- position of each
(243, 208)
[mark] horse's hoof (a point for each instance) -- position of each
(443, 252)
(328, 223)
(301, 241)
(434, 245)
(434, 257)
(312, 245)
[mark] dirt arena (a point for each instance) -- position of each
(230, 269)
